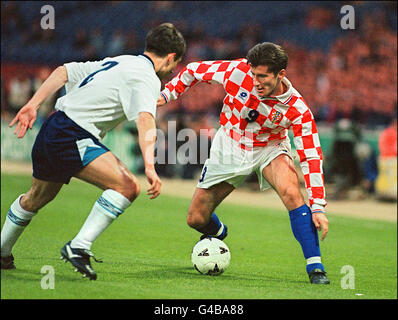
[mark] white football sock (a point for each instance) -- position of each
(16, 221)
(107, 208)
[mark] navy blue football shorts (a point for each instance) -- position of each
(62, 148)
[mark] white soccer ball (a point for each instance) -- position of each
(210, 256)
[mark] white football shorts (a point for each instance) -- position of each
(230, 163)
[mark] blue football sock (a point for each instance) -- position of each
(306, 234)
(214, 228)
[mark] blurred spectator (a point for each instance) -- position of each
(386, 183)
(48, 37)
(319, 18)
(388, 140)
(12, 18)
(36, 35)
(132, 44)
(85, 45)
(248, 36)
(345, 169)
(161, 6)
(198, 48)
(116, 44)
(81, 40)
(368, 165)
(96, 40)
(32, 35)
(200, 143)
(90, 54)
(20, 92)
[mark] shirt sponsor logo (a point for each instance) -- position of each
(242, 95)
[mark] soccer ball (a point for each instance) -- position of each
(210, 256)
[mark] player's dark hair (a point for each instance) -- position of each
(268, 54)
(165, 39)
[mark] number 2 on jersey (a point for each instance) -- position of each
(108, 64)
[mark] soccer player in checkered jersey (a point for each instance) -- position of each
(99, 96)
(260, 107)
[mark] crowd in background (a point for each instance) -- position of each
(354, 78)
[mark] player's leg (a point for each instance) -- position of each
(282, 176)
(21, 212)
(201, 216)
(48, 178)
(108, 172)
(120, 189)
(221, 174)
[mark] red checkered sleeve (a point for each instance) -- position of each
(306, 141)
(201, 71)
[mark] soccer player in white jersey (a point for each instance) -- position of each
(99, 96)
(259, 108)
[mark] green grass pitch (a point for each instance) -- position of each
(146, 253)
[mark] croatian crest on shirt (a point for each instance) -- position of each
(275, 116)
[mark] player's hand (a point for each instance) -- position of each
(154, 181)
(161, 101)
(25, 119)
(321, 223)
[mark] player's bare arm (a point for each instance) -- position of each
(26, 117)
(146, 138)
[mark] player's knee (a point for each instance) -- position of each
(195, 220)
(130, 188)
(29, 205)
(291, 196)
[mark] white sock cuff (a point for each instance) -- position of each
(315, 259)
(220, 230)
(117, 199)
(113, 202)
(20, 212)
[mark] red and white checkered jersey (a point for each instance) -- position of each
(271, 120)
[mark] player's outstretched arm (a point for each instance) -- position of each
(26, 117)
(306, 141)
(146, 138)
(212, 72)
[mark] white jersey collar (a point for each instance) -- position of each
(147, 58)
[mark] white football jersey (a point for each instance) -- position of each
(102, 94)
